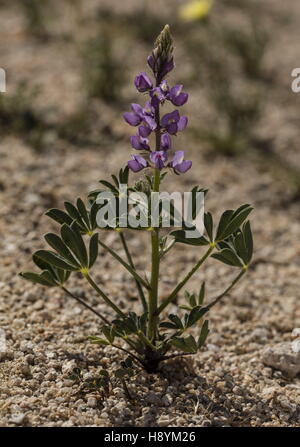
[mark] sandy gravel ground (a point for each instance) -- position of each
(226, 384)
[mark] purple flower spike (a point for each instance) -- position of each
(137, 163)
(166, 142)
(140, 143)
(159, 158)
(142, 82)
(177, 97)
(173, 123)
(147, 117)
(178, 163)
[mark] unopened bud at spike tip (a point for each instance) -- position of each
(161, 59)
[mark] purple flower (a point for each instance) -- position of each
(140, 114)
(149, 115)
(137, 163)
(177, 97)
(142, 82)
(159, 158)
(139, 143)
(173, 122)
(178, 163)
(165, 142)
(144, 131)
(135, 117)
(159, 94)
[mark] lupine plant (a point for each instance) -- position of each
(152, 336)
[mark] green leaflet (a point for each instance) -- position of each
(73, 239)
(55, 260)
(203, 334)
(229, 257)
(209, 225)
(93, 250)
(180, 236)
(98, 340)
(37, 278)
(59, 216)
(187, 344)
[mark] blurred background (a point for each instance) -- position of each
(70, 66)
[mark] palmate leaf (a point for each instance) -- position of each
(49, 277)
(71, 253)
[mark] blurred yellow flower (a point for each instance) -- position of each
(195, 10)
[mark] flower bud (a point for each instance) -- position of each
(161, 59)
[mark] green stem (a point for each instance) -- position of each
(219, 297)
(153, 296)
(127, 266)
(85, 305)
(177, 289)
(103, 295)
(146, 341)
(130, 261)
